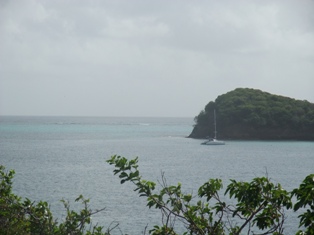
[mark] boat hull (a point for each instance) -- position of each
(213, 142)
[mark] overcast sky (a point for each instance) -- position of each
(150, 58)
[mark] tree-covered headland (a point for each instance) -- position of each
(258, 207)
(251, 114)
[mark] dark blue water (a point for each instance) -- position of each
(62, 157)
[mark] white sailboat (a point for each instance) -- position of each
(214, 141)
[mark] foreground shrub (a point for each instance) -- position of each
(259, 205)
(19, 216)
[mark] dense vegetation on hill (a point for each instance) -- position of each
(246, 113)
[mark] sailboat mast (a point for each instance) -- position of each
(215, 123)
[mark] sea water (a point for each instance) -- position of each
(63, 157)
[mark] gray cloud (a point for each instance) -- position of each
(149, 58)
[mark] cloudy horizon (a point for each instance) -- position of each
(150, 58)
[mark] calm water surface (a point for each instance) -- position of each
(62, 157)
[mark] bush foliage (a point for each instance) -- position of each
(25, 217)
(259, 207)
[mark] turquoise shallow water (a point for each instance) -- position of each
(63, 157)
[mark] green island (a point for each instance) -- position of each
(251, 114)
(258, 207)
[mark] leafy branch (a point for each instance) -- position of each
(259, 205)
